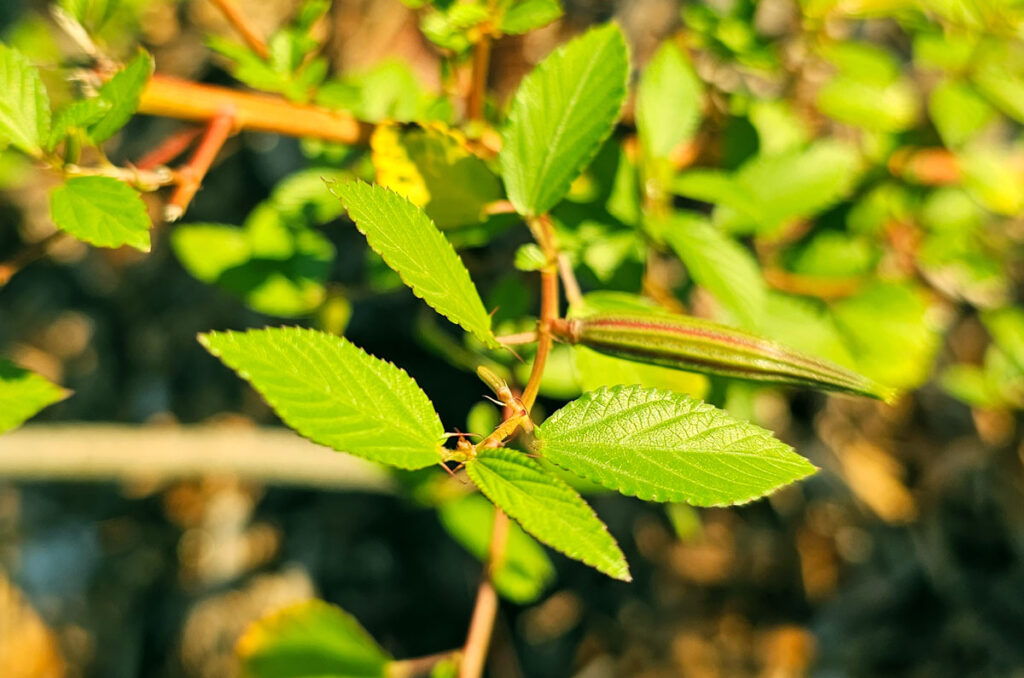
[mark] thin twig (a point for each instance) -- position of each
(81, 38)
(190, 176)
(143, 179)
(572, 287)
(486, 609)
(419, 666)
(517, 339)
(170, 148)
(478, 78)
(26, 256)
(236, 17)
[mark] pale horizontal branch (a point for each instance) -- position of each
(110, 452)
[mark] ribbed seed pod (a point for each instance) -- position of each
(695, 345)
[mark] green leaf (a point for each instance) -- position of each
(668, 101)
(771, 191)
(310, 640)
(405, 237)
(335, 394)
(663, 446)
(304, 195)
(890, 107)
(779, 127)
(1006, 325)
(547, 508)
(719, 263)
(889, 332)
(77, 115)
(122, 92)
(276, 268)
(958, 112)
(450, 27)
(102, 211)
(807, 326)
(527, 15)
(388, 91)
(525, 570)
(23, 394)
(24, 105)
(561, 113)
(530, 257)
(868, 92)
(995, 77)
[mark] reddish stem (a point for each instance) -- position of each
(191, 175)
(170, 148)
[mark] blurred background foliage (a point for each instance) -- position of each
(846, 177)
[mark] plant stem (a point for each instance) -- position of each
(478, 78)
(482, 623)
(170, 148)
(143, 179)
(30, 253)
(190, 176)
(517, 339)
(418, 666)
(185, 100)
(542, 231)
(233, 13)
(572, 287)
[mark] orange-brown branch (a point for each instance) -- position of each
(185, 100)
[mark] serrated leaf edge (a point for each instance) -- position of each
(490, 341)
(203, 339)
(608, 480)
(570, 553)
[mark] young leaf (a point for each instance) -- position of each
(719, 263)
(24, 105)
(561, 113)
(663, 446)
(310, 639)
(526, 15)
(525, 570)
(23, 394)
(668, 101)
(405, 237)
(335, 394)
(547, 508)
(102, 211)
(77, 115)
(122, 92)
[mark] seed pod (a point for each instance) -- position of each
(695, 345)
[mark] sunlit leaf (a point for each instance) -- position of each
(23, 394)
(547, 508)
(663, 446)
(559, 116)
(405, 237)
(336, 394)
(310, 640)
(102, 211)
